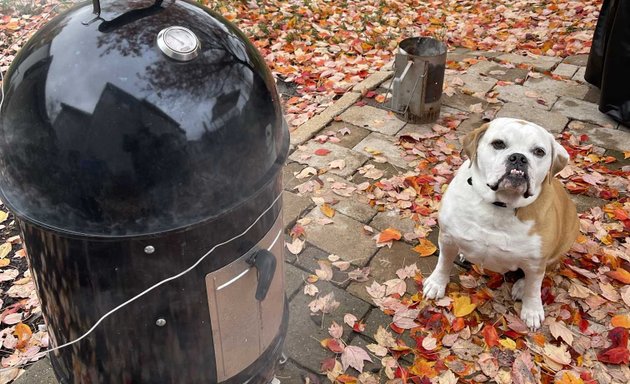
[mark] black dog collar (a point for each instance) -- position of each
(497, 203)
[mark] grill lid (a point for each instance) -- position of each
(105, 132)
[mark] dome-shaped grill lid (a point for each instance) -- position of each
(103, 134)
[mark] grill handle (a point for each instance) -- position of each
(265, 264)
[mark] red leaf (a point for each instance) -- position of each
(617, 355)
(332, 344)
(322, 152)
(618, 352)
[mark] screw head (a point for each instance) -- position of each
(149, 249)
(160, 322)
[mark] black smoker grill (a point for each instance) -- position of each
(131, 144)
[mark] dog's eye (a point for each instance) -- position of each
(498, 144)
(539, 152)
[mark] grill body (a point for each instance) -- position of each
(125, 166)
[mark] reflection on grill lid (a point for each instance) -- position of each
(101, 133)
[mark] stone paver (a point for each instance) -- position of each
(593, 94)
(293, 205)
(382, 146)
(579, 60)
(547, 85)
(608, 138)
(374, 119)
(579, 75)
(293, 278)
(518, 94)
(552, 121)
(291, 373)
(317, 122)
(306, 155)
(582, 110)
(584, 203)
(539, 63)
(386, 262)
(306, 330)
(344, 237)
(351, 139)
(498, 71)
(392, 219)
(565, 70)
(39, 373)
(472, 122)
(389, 170)
(462, 101)
(355, 206)
(473, 83)
(372, 81)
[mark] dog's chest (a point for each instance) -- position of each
(491, 237)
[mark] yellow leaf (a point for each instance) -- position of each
(621, 321)
(508, 343)
(425, 248)
(5, 249)
(388, 235)
(462, 306)
(327, 210)
(4, 262)
(3, 216)
(422, 367)
(567, 378)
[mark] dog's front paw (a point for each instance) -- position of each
(434, 286)
(533, 314)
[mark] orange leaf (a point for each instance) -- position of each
(568, 378)
(346, 379)
(422, 367)
(539, 339)
(23, 333)
(462, 306)
(621, 321)
(626, 154)
(327, 210)
(490, 335)
(389, 234)
(458, 324)
(425, 248)
(620, 274)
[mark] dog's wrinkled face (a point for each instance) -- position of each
(511, 158)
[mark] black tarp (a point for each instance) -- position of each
(609, 60)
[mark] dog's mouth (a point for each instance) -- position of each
(513, 180)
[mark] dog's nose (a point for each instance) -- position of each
(517, 159)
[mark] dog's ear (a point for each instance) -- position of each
(472, 140)
(559, 158)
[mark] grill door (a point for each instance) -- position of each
(243, 327)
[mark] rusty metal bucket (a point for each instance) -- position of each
(416, 87)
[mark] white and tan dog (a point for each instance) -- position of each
(504, 210)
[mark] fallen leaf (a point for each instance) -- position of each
(5, 249)
(566, 377)
(322, 152)
(3, 216)
(559, 330)
(324, 272)
(558, 354)
(490, 335)
(325, 304)
(405, 318)
(462, 306)
(489, 364)
(327, 210)
(389, 234)
(425, 248)
(622, 320)
(311, 289)
(337, 164)
(333, 345)
(335, 330)
(353, 356)
(296, 246)
(23, 333)
(377, 349)
(620, 274)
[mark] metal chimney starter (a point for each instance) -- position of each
(135, 138)
(418, 78)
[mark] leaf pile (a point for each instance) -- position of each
(326, 47)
